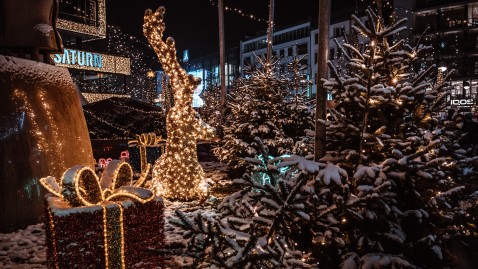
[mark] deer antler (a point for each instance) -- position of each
(153, 30)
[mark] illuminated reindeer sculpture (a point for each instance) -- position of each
(177, 174)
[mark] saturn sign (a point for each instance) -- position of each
(81, 58)
(85, 60)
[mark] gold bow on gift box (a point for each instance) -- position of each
(147, 140)
(80, 186)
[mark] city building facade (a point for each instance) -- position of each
(451, 28)
(97, 75)
(207, 69)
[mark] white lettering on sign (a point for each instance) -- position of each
(81, 58)
(462, 102)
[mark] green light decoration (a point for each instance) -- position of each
(32, 188)
(262, 176)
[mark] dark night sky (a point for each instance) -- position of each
(194, 23)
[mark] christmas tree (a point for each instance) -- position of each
(211, 112)
(265, 105)
(395, 197)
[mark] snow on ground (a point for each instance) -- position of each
(26, 248)
(23, 249)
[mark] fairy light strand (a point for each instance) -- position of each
(240, 12)
(177, 174)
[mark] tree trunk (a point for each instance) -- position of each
(322, 72)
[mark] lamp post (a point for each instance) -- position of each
(441, 70)
(466, 87)
(222, 65)
(270, 29)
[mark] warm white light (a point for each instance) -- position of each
(442, 68)
(177, 174)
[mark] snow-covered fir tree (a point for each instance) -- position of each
(262, 105)
(299, 123)
(400, 194)
(211, 111)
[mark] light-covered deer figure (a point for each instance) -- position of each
(177, 174)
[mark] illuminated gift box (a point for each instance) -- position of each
(107, 223)
(147, 148)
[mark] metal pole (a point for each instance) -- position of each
(222, 69)
(322, 72)
(270, 29)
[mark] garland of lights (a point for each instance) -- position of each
(80, 186)
(98, 31)
(177, 174)
(135, 109)
(138, 51)
(103, 121)
(240, 12)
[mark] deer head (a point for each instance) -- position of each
(182, 83)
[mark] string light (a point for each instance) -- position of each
(105, 122)
(240, 12)
(93, 97)
(82, 28)
(147, 140)
(80, 186)
(177, 174)
(122, 104)
(26, 101)
(139, 52)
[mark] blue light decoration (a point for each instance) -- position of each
(262, 177)
(185, 56)
(30, 187)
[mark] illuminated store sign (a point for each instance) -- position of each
(462, 102)
(82, 58)
(78, 59)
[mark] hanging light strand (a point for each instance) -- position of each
(239, 12)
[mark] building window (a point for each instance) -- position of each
(289, 52)
(302, 49)
(339, 31)
(80, 11)
(281, 55)
(332, 54)
(474, 15)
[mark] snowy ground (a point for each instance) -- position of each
(26, 249)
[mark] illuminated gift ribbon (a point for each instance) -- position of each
(80, 186)
(144, 141)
